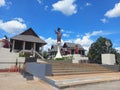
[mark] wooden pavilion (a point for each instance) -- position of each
(27, 40)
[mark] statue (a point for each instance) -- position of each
(5, 42)
(59, 35)
(107, 43)
(76, 49)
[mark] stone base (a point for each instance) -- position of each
(108, 59)
(58, 55)
(77, 58)
(1, 44)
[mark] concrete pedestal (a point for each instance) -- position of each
(108, 59)
(1, 44)
(77, 58)
(58, 55)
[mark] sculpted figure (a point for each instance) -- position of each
(59, 35)
(5, 42)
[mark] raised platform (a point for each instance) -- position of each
(69, 74)
(60, 68)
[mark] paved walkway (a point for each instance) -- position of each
(15, 81)
(114, 85)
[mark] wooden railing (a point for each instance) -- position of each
(34, 53)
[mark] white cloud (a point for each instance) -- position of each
(13, 26)
(86, 40)
(67, 31)
(78, 36)
(104, 20)
(19, 19)
(94, 33)
(115, 12)
(118, 49)
(46, 7)
(2, 3)
(66, 35)
(70, 32)
(67, 7)
(88, 4)
(50, 42)
(39, 1)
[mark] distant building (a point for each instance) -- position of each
(67, 48)
(72, 48)
(27, 40)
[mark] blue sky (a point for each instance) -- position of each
(81, 21)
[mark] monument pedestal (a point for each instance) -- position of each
(58, 55)
(108, 59)
(1, 44)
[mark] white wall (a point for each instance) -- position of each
(108, 59)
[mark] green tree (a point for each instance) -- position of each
(99, 47)
(45, 54)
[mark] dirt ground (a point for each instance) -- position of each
(15, 81)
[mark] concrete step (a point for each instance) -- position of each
(78, 73)
(55, 71)
(74, 80)
(9, 54)
(72, 69)
(19, 59)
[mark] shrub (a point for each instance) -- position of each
(24, 54)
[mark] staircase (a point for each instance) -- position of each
(75, 69)
(8, 59)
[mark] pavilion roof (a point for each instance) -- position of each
(29, 36)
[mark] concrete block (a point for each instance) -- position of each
(108, 59)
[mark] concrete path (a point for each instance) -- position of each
(15, 81)
(114, 85)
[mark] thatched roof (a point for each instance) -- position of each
(29, 36)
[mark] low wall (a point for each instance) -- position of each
(39, 70)
(7, 63)
(112, 67)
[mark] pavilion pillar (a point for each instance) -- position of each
(34, 49)
(23, 46)
(81, 52)
(42, 49)
(13, 45)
